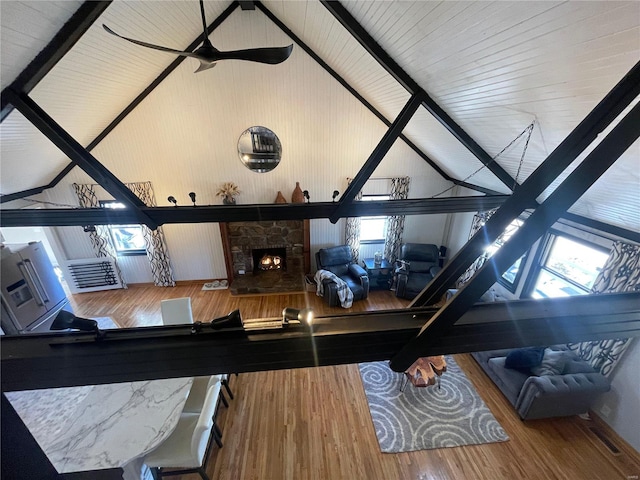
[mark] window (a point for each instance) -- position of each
(568, 267)
(511, 277)
(373, 229)
(127, 239)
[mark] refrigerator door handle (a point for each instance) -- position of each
(33, 279)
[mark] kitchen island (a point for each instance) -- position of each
(102, 426)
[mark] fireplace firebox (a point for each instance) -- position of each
(266, 259)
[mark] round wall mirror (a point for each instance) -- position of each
(259, 149)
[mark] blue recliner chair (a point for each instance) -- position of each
(339, 261)
(418, 263)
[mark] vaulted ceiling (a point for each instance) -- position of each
(494, 67)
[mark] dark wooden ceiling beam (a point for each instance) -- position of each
(470, 186)
(57, 48)
(52, 217)
(623, 135)
(390, 65)
(78, 155)
(52, 360)
(612, 105)
(376, 156)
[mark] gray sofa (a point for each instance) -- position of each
(568, 393)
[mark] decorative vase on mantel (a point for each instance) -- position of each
(280, 198)
(228, 200)
(297, 196)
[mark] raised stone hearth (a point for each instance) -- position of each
(270, 281)
(242, 239)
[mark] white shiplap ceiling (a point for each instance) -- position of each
(27, 27)
(494, 67)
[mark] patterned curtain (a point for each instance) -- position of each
(99, 235)
(621, 273)
(156, 246)
(352, 231)
(395, 223)
(157, 251)
(479, 219)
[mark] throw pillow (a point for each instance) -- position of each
(523, 359)
(552, 363)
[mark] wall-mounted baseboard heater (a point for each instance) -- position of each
(91, 274)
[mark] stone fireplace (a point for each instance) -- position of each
(268, 256)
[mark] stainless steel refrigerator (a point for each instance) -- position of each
(32, 295)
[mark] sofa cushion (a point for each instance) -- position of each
(509, 381)
(574, 364)
(552, 363)
(417, 281)
(523, 359)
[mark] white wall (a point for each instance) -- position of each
(459, 224)
(620, 407)
(20, 235)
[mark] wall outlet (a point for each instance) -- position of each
(605, 410)
(240, 272)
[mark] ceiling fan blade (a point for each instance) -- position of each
(270, 55)
(150, 45)
(204, 65)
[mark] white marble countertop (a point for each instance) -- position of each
(102, 426)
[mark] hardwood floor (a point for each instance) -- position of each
(314, 423)
(140, 305)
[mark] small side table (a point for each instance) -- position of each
(425, 371)
(379, 275)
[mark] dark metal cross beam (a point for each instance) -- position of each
(570, 190)
(385, 60)
(580, 138)
(78, 155)
(74, 359)
(377, 155)
(243, 213)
